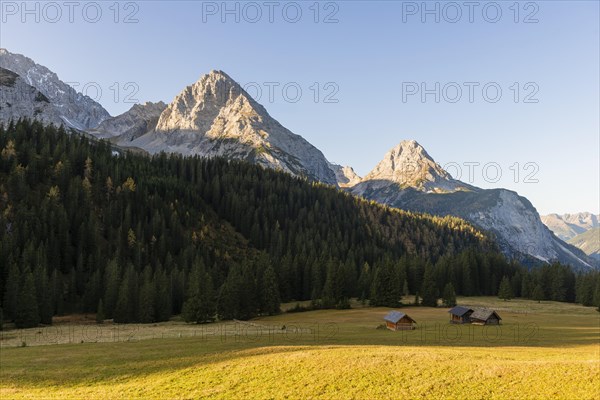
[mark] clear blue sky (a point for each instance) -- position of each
(371, 56)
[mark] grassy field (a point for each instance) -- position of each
(541, 350)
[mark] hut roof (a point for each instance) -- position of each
(459, 311)
(484, 314)
(395, 316)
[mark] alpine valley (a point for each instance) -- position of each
(215, 117)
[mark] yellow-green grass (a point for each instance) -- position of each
(553, 352)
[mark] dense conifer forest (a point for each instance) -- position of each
(87, 228)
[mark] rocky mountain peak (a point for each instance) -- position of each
(215, 117)
(218, 86)
(197, 106)
(409, 165)
(219, 74)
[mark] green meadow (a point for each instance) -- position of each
(541, 350)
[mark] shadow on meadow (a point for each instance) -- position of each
(204, 345)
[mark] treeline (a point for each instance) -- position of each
(137, 238)
(472, 273)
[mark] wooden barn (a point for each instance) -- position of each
(397, 321)
(485, 317)
(460, 315)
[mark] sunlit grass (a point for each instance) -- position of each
(332, 355)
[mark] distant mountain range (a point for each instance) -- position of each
(567, 226)
(216, 117)
(580, 230)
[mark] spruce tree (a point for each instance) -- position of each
(227, 305)
(27, 314)
(43, 295)
(111, 294)
(190, 309)
(349, 279)
(364, 281)
(123, 308)
(538, 293)
(248, 301)
(270, 301)
(597, 294)
(386, 289)
(57, 287)
(394, 284)
(429, 291)
(206, 310)
(557, 289)
(377, 288)
(232, 302)
(199, 305)
(526, 289)
(331, 290)
(164, 304)
(505, 289)
(515, 283)
(146, 302)
(449, 296)
(100, 313)
(11, 295)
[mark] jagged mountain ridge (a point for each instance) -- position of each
(216, 117)
(425, 187)
(74, 109)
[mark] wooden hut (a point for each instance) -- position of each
(460, 315)
(396, 321)
(485, 317)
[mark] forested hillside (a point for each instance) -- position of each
(84, 228)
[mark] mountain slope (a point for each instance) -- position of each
(75, 109)
(425, 187)
(567, 226)
(589, 242)
(138, 120)
(216, 117)
(18, 99)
